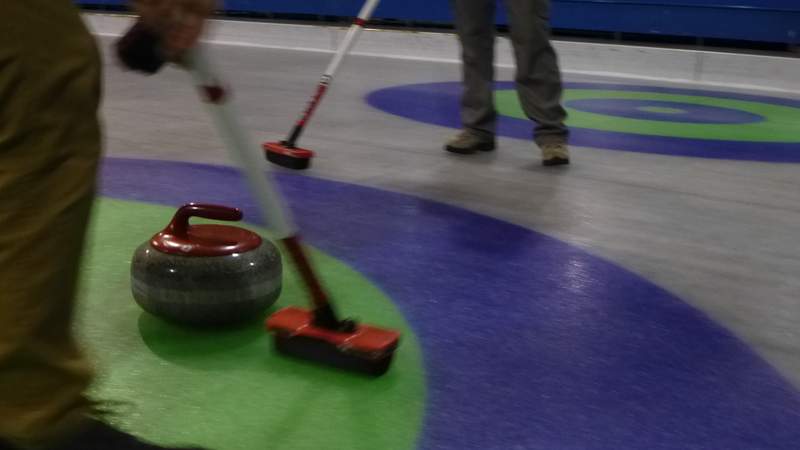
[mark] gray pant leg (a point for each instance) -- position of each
(538, 76)
(475, 26)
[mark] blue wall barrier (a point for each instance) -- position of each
(776, 21)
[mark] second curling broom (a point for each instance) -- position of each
(286, 153)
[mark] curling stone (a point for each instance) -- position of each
(206, 275)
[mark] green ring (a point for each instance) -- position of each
(661, 110)
(779, 124)
(228, 389)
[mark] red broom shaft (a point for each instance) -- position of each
(322, 88)
(318, 295)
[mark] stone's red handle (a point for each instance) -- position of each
(180, 222)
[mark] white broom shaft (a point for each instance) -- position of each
(350, 39)
(243, 152)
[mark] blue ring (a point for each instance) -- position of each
(438, 104)
(528, 342)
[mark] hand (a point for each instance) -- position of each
(180, 23)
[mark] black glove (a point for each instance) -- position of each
(140, 49)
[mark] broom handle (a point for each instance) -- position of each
(263, 187)
(333, 68)
(238, 143)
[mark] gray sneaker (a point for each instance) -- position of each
(466, 142)
(555, 154)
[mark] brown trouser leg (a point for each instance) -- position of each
(538, 77)
(49, 150)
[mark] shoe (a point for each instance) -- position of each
(100, 436)
(555, 154)
(468, 142)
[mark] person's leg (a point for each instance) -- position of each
(49, 149)
(474, 21)
(50, 144)
(538, 78)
